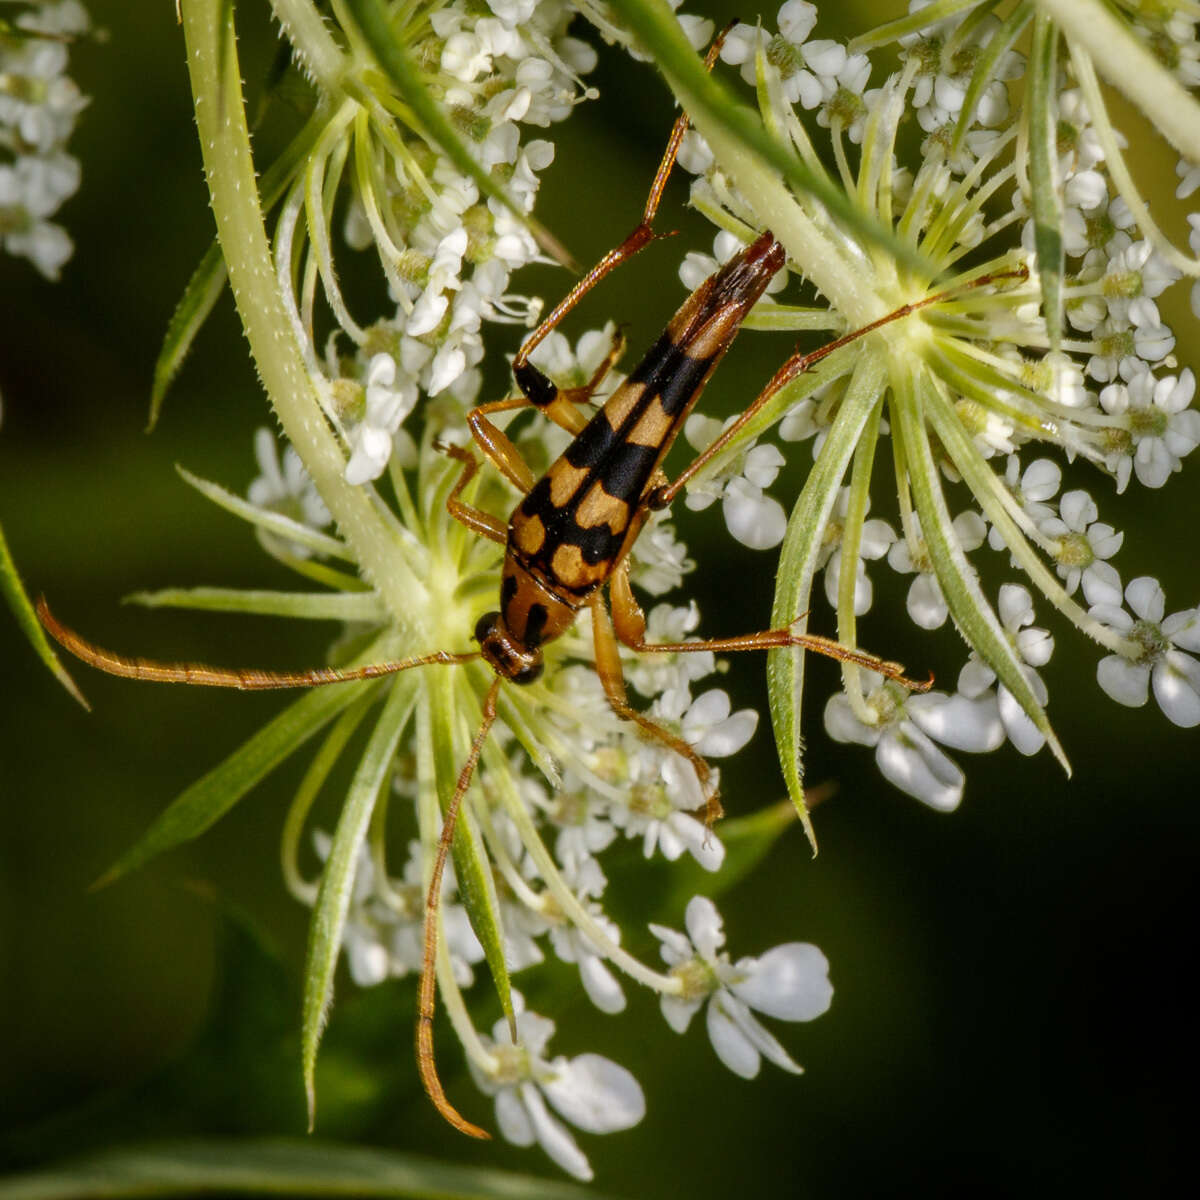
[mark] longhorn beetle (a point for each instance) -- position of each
(572, 532)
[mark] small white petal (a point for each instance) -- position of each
(1078, 510)
(958, 722)
(915, 765)
(678, 1013)
(1146, 598)
(790, 982)
(1102, 587)
(596, 1094)
(733, 1047)
(1125, 682)
(675, 948)
(925, 603)
(368, 962)
(512, 1118)
(843, 726)
(1183, 628)
(553, 1136)
(601, 985)
(1176, 683)
(1021, 730)
(705, 927)
(756, 520)
(699, 841)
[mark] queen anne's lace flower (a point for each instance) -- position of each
(789, 983)
(589, 1091)
(905, 731)
(1161, 661)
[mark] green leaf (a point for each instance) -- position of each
(310, 786)
(18, 601)
(197, 302)
(310, 606)
(210, 798)
(971, 611)
(275, 1167)
(1043, 173)
(802, 546)
(375, 26)
(265, 519)
(337, 880)
(209, 278)
(658, 29)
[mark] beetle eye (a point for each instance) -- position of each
(529, 674)
(486, 625)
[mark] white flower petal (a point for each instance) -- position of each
(733, 1047)
(512, 1118)
(678, 1013)
(553, 1136)
(790, 982)
(907, 758)
(1145, 596)
(925, 603)
(957, 721)
(705, 927)
(601, 985)
(596, 1094)
(1125, 682)
(843, 726)
(1021, 730)
(1176, 683)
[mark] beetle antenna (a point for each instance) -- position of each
(246, 680)
(427, 996)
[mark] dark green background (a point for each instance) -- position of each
(1012, 1011)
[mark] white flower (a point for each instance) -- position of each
(1163, 426)
(905, 732)
(590, 1092)
(790, 983)
(652, 674)
(1031, 489)
(925, 602)
(573, 945)
(754, 518)
(1162, 663)
(1083, 543)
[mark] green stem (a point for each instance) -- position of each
(309, 35)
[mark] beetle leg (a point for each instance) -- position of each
(608, 667)
(639, 238)
(630, 625)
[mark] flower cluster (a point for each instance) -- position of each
(39, 105)
(446, 250)
(1004, 352)
(981, 375)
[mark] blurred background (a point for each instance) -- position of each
(1012, 1009)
